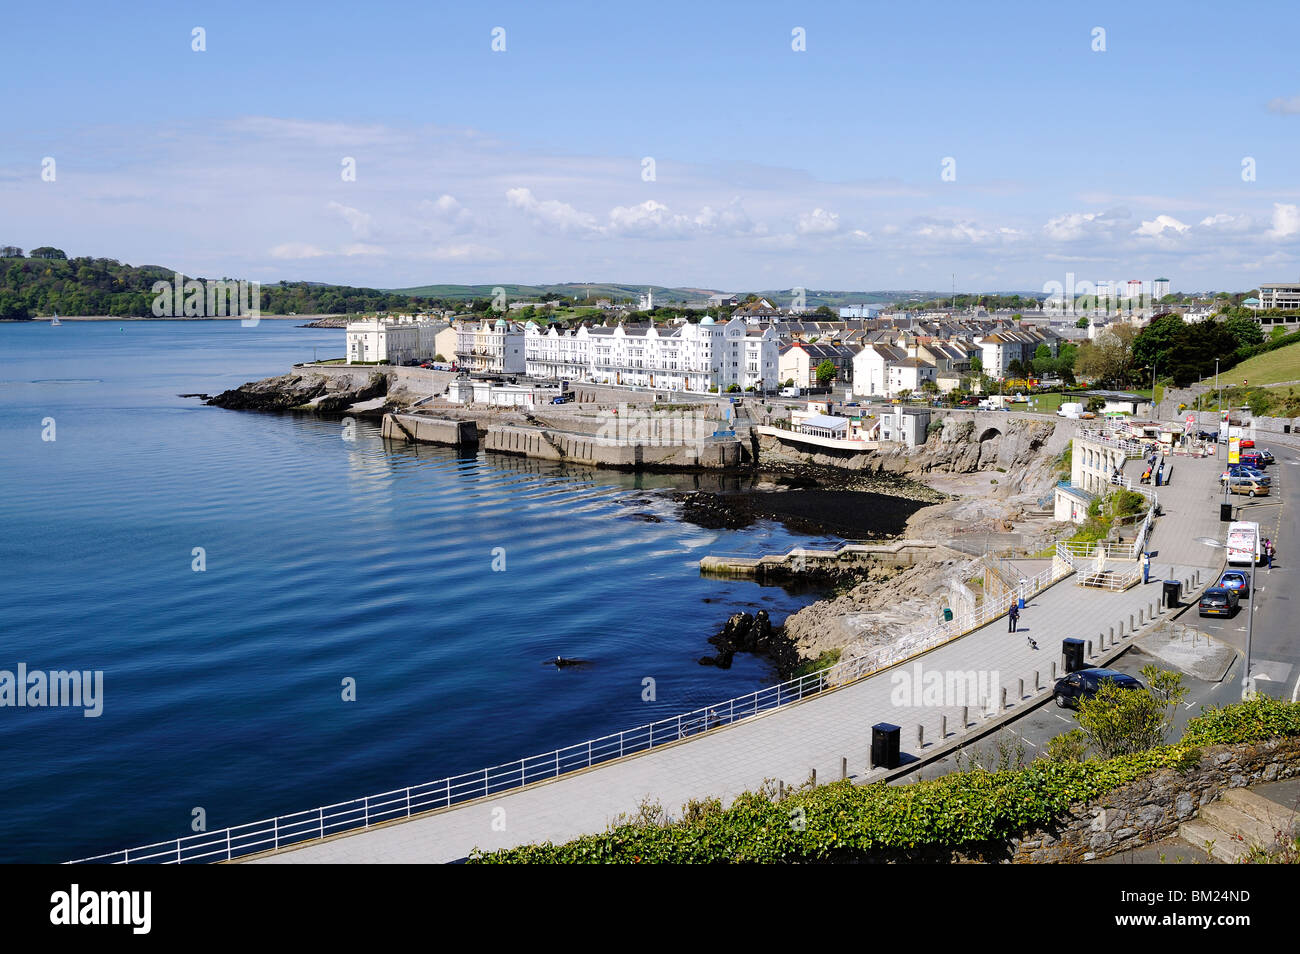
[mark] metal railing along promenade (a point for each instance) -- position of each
(357, 814)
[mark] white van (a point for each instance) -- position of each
(789, 392)
(1242, 549)
(1070, 409)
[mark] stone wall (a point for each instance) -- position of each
(1152, 808)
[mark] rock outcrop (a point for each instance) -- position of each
(332, 394)
(746, 633)
(1025, 448)
(889, 603)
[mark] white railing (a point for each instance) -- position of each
(1113, 580)
(1088, 549)
(1131, 448)
(360, 813)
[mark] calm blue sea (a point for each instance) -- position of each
(326, 560)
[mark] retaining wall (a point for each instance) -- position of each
(428, 430)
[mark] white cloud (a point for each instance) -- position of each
(468, 252)
(297, 250)
(965, 232)
(361, 223)
(447, 208)
(1222, 221)
(649, 218)
(1160, 224)
(732, 220)
(552, 213)
(818, 222)
(1285, 106)
(1077, 225)
(1286, 220)
(361, 248)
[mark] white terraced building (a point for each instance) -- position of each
(490, 347)
(687, 357)
(396, 341)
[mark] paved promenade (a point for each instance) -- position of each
(788, 743)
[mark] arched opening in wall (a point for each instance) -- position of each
(989, 434)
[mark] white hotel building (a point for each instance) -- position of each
(490, 347)
(686, 357)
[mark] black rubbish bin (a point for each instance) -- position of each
(884, 745)
(1225, 513)
(1172, 593)
(1072, 650)
(1286, 428)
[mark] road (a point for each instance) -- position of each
(1275, 650)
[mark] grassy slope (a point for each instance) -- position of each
(1274, 367)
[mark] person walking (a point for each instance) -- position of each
(1268, 551)
(1013, 616)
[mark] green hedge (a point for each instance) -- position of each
(1262, 718)
(843, 821)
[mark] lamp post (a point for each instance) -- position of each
(1247, 683)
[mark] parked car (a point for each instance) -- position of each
(1254, 459)
(1243, 470)
(1217, 601)
(1237, 581)
(1249, 486)
(1086, 683)
(1246, 442)
(1266, 456)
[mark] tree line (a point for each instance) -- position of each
(46, 281)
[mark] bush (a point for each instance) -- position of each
(1261, 718)
(1124, 721)
(1069, 746)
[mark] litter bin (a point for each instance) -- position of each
(947, 615)
(1286, 428)
(1020, 603)
(884, 745)
(1173, 593)
(1225, 513)
(1072, 650)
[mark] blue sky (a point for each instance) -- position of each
(772, 167)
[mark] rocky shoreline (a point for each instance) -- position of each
(302, 392)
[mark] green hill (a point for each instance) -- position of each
(1272, 367)
(49, 283)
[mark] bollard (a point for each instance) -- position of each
(965, 717)
(844, 767)
(1130, 622)
(1021, 690)
(813, 777)
(1112, 634)
(780, 790)
(1053, 672)
(1037, 685)
(943, 727)
(1141, 617)
(1090, 649)
(1004, 697)
(920, 736)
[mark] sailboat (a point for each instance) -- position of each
(54, 322)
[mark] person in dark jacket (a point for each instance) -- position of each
(1013, 617)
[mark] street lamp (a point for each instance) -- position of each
(1247, 683)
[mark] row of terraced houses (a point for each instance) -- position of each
(876, 356)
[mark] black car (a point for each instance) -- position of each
(1085, 684)
(1219, 601)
